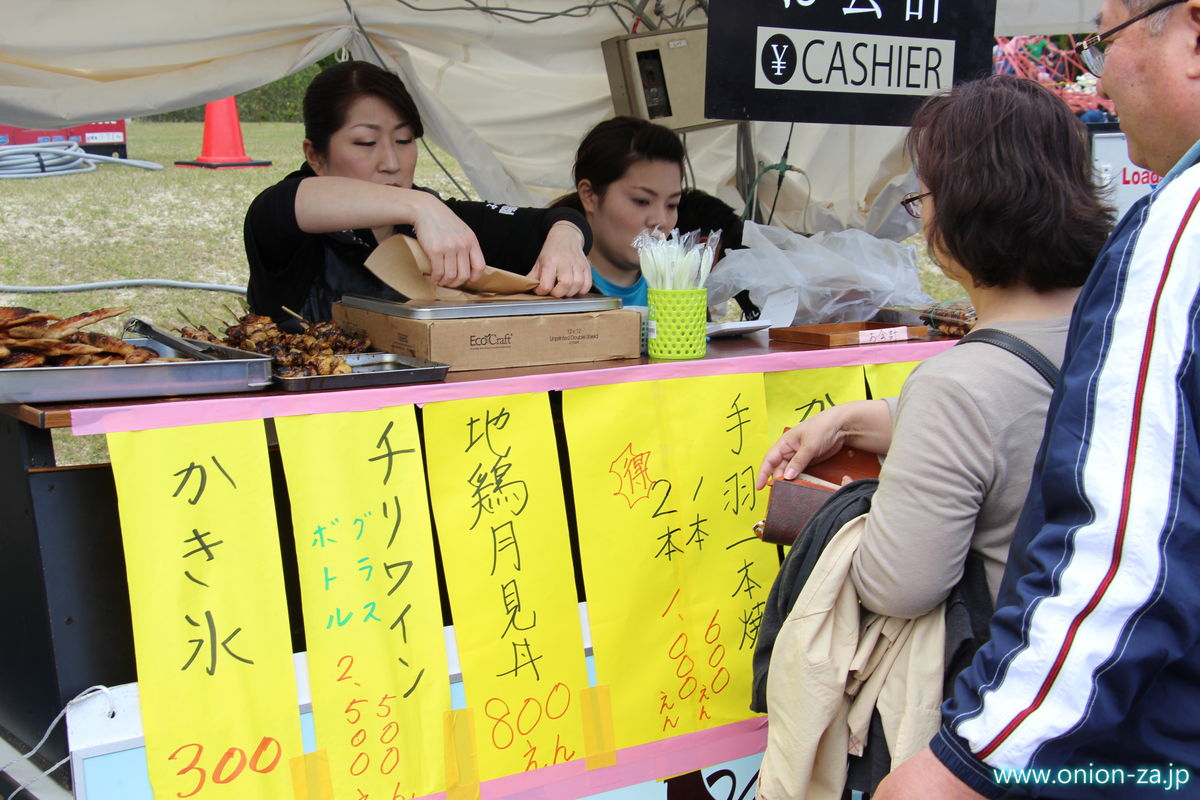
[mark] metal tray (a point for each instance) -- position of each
(446, 309)
(370, 369)
(239, 371)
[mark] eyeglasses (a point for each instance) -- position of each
(1092, 49)
(912, 203)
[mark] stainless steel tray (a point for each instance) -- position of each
(445, 309)
(239, 371)
(370, 369)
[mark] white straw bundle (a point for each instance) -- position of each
(674, 261)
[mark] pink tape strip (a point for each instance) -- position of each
(200, 411)
(647, 762)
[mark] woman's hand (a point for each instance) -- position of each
(865, 424)
(562, 269)
(453, 250)
(814, 439)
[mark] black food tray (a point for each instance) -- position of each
(369, 369)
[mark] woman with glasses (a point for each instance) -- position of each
(1009, 210)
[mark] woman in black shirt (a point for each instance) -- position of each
(308, 235)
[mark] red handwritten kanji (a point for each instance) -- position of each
(630, 469)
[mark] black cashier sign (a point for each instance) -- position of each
(863, 62)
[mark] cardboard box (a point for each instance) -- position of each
(493, 342)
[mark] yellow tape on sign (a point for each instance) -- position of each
(462, 763)
(598, 739)
(310, 776)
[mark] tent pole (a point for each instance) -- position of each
(746, 169)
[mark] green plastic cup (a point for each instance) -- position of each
(676, 327)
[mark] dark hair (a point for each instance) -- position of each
(331, 93)
(611, 147)
(1014, 196)
(701, 211)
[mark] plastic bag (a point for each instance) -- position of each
(838, 277)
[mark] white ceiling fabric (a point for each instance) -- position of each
(509, 100)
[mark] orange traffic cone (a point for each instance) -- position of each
(222, 139)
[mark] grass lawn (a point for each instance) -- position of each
(121, 222)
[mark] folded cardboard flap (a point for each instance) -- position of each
(402, 264)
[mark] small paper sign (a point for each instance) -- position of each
(883, 335)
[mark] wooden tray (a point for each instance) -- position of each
(841, 334)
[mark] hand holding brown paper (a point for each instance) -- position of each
(401, 263)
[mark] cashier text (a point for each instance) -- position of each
(827, 61)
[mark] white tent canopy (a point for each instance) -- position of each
(508, 90)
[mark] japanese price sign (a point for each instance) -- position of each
(211, 637)
(676, 580)
(373, 623)
(502, 528)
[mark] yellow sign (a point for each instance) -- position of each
(885, 380)
(502, 527)
(796, 395)
(210, 624)
(676, 580)
(372, 613)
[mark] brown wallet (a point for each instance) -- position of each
(790, 505)
(793, 502)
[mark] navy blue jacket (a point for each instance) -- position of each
(1093, 669)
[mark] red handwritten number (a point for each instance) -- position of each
(717, 655)
(219, 775)
(366, 762)
(526, 729)
(713, 628)
(566, 701)
(261, 751)
(682, 649)
(349, 660)
(358, 737)
(680, 672)
(388, 735)
(393, 754)
(487, 710)
(190, 767)
(350, 709)
(558, 702)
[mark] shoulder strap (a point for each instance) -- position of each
(1018, 347)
